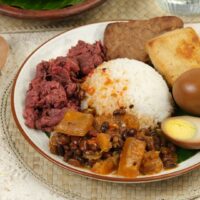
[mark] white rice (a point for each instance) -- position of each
(123, 82)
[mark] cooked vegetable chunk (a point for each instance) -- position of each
(105, 166)
(131, 157)
(131, 121)
(103, 141)
(53, 144)
(151, 163)
(75, 123)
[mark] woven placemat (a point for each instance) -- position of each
(111, 9)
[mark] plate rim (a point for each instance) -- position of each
(71, 168)
(50, 14)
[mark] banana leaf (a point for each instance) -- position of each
(40, 4)
(184, 154)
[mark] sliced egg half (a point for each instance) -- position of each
(184, 131)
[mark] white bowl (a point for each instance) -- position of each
(180, 7)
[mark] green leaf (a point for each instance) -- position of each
(47, 134)
(40, 4)
(184, 154)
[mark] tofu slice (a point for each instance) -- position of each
(174, 52)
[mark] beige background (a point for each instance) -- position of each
(24, 174)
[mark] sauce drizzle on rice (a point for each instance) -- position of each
(123, 82)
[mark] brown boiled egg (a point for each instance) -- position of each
(186, 91)
(184, 131)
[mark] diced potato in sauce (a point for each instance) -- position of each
(75, 123)
(103, 140)
(151, 163)
(53, 144)
(99, 120)
(148, 139)
(131, 157)
(130, 121)
(105, 166)
(90, 155)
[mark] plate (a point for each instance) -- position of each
(39, 140)
(49, 14)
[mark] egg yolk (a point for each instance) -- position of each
(180, 129)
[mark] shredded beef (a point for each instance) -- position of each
(87, 56)
(56, 85)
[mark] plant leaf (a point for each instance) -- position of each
(40, 4)
(47, 134)
(184, 154)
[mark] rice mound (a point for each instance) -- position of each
(131, 84)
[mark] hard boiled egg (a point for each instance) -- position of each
(186, 91)
(184, 131)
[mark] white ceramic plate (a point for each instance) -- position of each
(63, 42)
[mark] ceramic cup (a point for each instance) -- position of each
(180, 7)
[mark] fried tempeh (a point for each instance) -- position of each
(127, 39)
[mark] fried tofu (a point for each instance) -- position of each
(174, 53)
(128, 39)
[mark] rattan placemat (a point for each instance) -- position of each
(111, 9)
